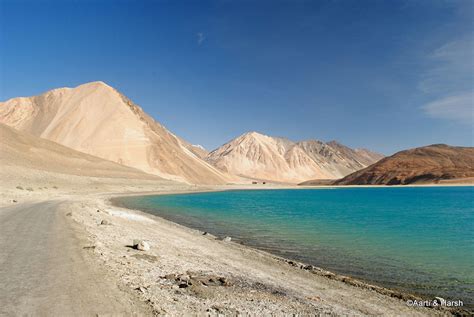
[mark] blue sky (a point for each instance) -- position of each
(386, 75)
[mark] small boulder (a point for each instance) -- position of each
(105, 222)
(141, 245)
(227, 239)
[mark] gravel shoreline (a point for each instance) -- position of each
(186, 272)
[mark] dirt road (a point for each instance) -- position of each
(45, 270)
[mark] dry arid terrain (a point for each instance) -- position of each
(437, 163)
(66, 251)
(96, 119)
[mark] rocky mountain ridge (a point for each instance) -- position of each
(258, 156)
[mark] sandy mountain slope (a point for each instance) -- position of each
(258, 156)
(262, 157)
(429, 164)
(22, 155)
(96, 119)
(22, 150)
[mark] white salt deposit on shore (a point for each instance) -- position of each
(128, 215)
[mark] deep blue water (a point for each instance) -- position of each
(417, 239)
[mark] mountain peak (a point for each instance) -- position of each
(254, 134)
(311, 141)
(96, 85)
(439, 145)
(96, 119)
(335, 143)
(260, 156)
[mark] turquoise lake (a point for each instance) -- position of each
(416, 239)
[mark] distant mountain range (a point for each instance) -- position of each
(96, 119)
(258, 156)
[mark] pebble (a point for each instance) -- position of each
(227, 239)
(141, 245)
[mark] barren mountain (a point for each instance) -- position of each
(96, 119)
(258, 156)
(19, 150)
(339, 163)
(429, 164)
(362, 156)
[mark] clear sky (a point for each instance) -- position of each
(386, 75)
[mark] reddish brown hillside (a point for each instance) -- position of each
(429, 164)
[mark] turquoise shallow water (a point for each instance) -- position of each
(417, 239)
